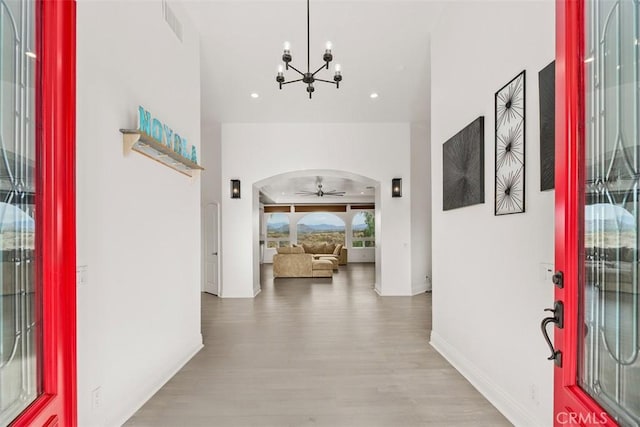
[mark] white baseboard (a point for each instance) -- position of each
(419, 288)
(509, 407)
(145, 394)
(256, 292)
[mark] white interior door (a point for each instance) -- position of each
(211, 229)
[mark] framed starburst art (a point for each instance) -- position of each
(510, 133)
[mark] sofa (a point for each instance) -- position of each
(294, 262)
(326, 249)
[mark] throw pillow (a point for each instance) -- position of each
(337, 250)
(306, 248)
(330, 248)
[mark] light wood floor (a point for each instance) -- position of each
(318, 352)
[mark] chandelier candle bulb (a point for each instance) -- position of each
(280, 76)
(337, 76)
(327, 57)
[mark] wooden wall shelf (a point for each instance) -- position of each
(136, 140)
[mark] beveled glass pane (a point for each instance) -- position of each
(19, 316)
(609, 363)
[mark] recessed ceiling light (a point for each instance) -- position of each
(374, 95)
(30, 54)
(362, 192)
(283, 193)
(255, 95)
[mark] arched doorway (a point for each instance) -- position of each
(297, 216)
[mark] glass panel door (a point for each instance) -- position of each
(609, 339)
(19, 310)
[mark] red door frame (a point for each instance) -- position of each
(55, 214)
(572, 406)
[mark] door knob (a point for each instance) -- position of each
(558, 320)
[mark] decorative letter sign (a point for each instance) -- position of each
(165, 135)
(159, 142)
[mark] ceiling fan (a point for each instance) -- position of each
(321, 193)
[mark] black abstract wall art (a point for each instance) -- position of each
(463, 167)
(510, 146)
(547, 85)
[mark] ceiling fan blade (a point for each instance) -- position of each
(335, 192)
(306, 193)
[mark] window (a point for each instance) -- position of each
(364, 230)
(20, 299)
(320, 227)
(277, 230)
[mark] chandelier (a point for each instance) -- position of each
(308, 78)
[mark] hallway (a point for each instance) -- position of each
(318, 352)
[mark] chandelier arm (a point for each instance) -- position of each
(319, 69)
(326, 81)
(296, 70)
(292, 81)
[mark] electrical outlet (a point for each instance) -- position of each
(96, 398)
(533, 394)
(546, 272)
(81, 275)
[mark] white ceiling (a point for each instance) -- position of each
(382, 47)
(283, 190)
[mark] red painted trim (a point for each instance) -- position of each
(570, 168)
(55, 218)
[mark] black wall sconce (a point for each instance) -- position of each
(396, 187)
(235, 188)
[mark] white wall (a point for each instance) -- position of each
(254, 152)
(211, 146)
(488, 295)
(420, 208)
(138, 221)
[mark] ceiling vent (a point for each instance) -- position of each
(172, 19)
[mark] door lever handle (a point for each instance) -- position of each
(558, 320)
